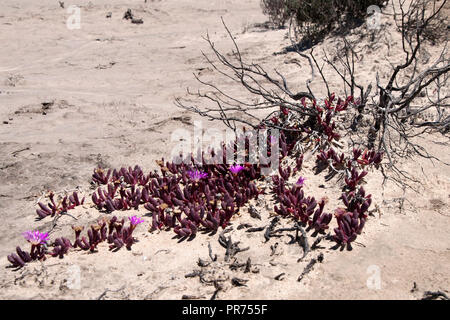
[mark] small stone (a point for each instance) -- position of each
(137, 21)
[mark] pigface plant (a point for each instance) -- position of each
(187, 197)
(52, 209)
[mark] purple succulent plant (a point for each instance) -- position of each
(214, 196)
(300, 182)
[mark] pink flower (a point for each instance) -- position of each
(236, 169)
(300, 182)
(196, 175)
(134, 221)
(35, 237)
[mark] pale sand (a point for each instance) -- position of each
(113, 84)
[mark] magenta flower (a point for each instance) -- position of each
(35, 237)
(300, 182)
(236, 169)
(134, 221)
(196, 175)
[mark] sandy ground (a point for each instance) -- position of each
(111, 87)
